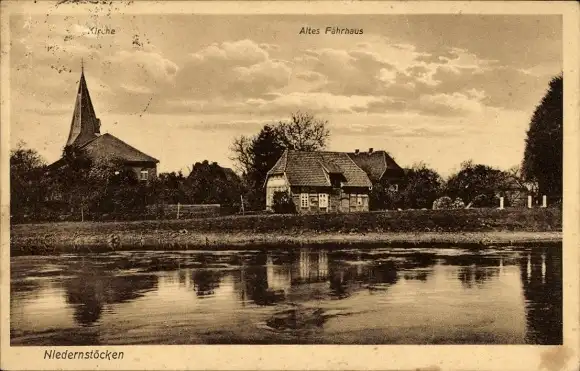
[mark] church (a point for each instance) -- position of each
(85, 135)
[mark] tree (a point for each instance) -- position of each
(303, 132)
(255, 156)
(282, 203)
(209, 183)
(384, 196)
(93, 186)
(27, 184)
(421, 187)
(542, 161)
(171, 188)
(476, 184)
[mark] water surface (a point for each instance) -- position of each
(281, 296)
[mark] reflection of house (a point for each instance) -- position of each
(85, 136)
(319, 182)
(379, 166)
(312, 266)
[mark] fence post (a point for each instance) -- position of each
(529, 202)
(242, 204)
(544, 201)
(501, 203)
(178, 206)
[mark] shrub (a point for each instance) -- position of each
(458, 204)
(483, 200)
(283, 203)
(446, 202)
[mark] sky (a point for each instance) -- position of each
(437, 89)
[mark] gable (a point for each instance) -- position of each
(375, 164)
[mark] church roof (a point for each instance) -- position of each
(111, 147)
(85, 125)
(85, 133)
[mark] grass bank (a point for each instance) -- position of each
(471, 226)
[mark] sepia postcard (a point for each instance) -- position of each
(290, 185)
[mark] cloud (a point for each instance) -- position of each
(141, 67)
(346, 72)
(232, 70)
(456, 104)
(242, 52)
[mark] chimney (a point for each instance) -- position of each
(370, 150)
(356, 151)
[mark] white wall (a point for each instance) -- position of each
(275, 183)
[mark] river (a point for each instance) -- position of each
(508, 295)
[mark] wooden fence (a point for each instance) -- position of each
(181, 211)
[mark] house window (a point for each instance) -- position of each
(323, 200)
(359, 200)
(304, 200)
(144, 175)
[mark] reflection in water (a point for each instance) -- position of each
(205, 282)
(542, 285)
(90, 291)
(379, 296)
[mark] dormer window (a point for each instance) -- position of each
(144, 175)
(335, 180)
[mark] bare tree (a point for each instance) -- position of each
(303, 132)
(241, 149)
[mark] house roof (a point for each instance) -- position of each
(230, 174)
(109, 146)
(304, 168)
(375, 164)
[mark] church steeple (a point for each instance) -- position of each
(85, 125)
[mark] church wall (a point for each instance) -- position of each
(151, 170)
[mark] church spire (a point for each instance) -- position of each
(85, 125)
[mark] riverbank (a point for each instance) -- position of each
(411, 227)
(196, 241)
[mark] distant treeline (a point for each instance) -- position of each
(86, 189)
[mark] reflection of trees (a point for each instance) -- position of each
(474, 269)
(474, 275)
(205, 281)
(416, 275)
(255, 286)
(471, 260)
(344, 280)
(91, 291)
(541, 275)
(417, 265)
(417, 260)
(29, 287)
